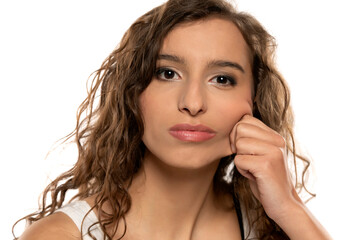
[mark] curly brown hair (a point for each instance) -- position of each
(109, 132)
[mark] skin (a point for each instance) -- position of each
(178, 171)
(172, 194)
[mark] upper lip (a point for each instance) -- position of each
(189, 127)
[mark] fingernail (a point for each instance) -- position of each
(233, 149)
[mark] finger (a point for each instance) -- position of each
(271, 137)
(247, 165)
(246, 130)
(233, 136)
(254, 121)
(253, 146)
(246, 174)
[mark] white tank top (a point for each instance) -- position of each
(77, 211)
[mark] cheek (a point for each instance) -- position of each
(156, 98)
(231, 107)
(153, 109)
(231, 113)
(147, 106)
(149, 103)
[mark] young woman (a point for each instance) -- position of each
(191, 89)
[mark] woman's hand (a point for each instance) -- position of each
(260, 157)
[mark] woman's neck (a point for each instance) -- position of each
(168, 202)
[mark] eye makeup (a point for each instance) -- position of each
(166, 74)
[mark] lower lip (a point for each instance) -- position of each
(192, 136)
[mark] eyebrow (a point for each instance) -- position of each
(171, 58)
(222, 63)
(212, 63)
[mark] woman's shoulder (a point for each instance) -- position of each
(55, 226)
(66, 222)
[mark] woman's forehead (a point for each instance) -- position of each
(211, 38)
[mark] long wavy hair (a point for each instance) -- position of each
(109, 132)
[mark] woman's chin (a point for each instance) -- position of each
(185, 159)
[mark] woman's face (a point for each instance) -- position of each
(201, 89)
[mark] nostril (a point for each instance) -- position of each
(192, 111)
(192, 101)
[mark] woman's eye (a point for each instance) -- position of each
(223, 80)
(166, 74)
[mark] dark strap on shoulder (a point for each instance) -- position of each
(239, 216)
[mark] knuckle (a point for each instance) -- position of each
(239, 159)
(280, 140)
(246, 116)
(240, 129)
(239, 143)
(278, 153)
(266, 165)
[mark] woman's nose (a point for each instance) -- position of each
(192, 99)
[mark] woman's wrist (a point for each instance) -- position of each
(299, 223)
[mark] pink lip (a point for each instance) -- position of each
(192, 133)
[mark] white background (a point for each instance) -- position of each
(49, 48)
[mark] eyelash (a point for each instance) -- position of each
(161, 71)
(231, 81)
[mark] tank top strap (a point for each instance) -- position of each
(77, 211)
(239, 216)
